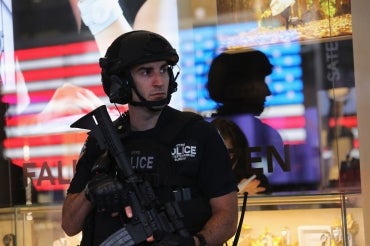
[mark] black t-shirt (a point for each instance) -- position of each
(197, 152)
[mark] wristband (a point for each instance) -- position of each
(202, 239)
(86, 191)
(187, 241)
(99, 14)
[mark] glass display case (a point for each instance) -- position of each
(34, 225)
(278, 220)
(304, 220)
(8, 226)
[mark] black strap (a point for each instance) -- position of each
(88, 230)
(240, 225)
(179, 121)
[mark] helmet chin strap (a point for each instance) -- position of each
(151, 105)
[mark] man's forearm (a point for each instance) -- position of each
(75, 209)
(222, 225)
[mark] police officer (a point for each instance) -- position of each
(181, 155)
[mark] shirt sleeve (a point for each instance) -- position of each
(216, 175)
(82, 175)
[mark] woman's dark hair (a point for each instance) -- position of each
(229, 130)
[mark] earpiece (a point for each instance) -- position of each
(116, 87)
(172, 87)
(119, 90)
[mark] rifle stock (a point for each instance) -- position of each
(150, 216)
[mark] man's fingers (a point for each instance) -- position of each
(150, 239)
(128, 211)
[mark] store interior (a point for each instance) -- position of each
(318, 105)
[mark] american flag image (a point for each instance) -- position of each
(46, 147)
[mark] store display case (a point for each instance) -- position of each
(303, 220)
(283, 219)
(7, 226)
(34, 225)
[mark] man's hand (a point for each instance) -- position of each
(107, 193)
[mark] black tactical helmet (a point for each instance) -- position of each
(138, 47)
(130, 49)
(231, 71)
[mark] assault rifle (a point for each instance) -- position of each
(150, 217)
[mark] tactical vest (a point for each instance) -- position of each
(151, 159)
